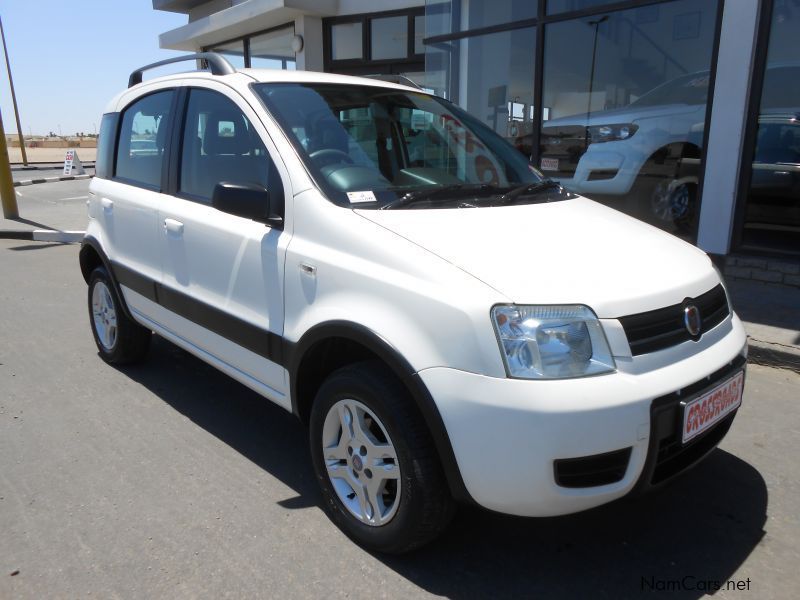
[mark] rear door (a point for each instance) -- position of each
(127, 203)
(222, 274)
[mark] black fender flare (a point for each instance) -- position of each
(89, 244)
(375, 343)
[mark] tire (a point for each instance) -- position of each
(668, 203)
(415, 506)
(119, 339)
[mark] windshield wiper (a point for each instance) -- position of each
(529, 189)
(443, 193)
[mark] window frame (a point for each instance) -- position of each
(165, 157)
(176, 155)
(410, 62)
(245, 39)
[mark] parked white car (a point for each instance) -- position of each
(655, 141)
(452, 326)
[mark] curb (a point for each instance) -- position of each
(44, 235)
(46, 166)
(51, 179)
(773, 355)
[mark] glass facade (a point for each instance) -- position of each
(389, 38)
(233, 51)
(346, 41)
(272, 50)
(499, 92)
(623, 94)
(268, 50)
(624, 97)
(772, 203)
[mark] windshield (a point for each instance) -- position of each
(376, 147)
(689, 89)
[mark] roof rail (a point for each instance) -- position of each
(217, 63)
(394, 78)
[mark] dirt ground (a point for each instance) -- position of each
(49, 155)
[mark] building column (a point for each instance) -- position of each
(310, 58)
(729, 112)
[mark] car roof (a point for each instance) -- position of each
(243, 77)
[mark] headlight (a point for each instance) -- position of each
(551, 342)
(611, 133)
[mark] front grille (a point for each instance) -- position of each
(591, 471)
(667, 455)
(663, 328)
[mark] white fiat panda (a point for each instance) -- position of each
(451, 325)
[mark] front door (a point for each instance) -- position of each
(222, 274)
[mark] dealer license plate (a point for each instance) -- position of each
(549, 164)
(702, 413)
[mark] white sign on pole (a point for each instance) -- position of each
(73, 163)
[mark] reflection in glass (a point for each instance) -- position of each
(559, 6)
(404, 147)
(624, 105)
(346, 41)
(772, 208)
(419, 34)
(485, 14)
(389, 37)
(491, 76)
(272, 50)
(439, 17)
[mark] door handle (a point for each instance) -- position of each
(173, 226)
(107, 204)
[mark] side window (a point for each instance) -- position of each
(142, 139)
(105, 145)
(220, 144)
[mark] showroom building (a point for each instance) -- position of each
(685, 113)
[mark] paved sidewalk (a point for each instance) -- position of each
(771, 313)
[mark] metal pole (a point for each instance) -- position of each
(13, 97)
(596, 25)
(7, 194)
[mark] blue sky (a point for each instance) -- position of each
(69, 58)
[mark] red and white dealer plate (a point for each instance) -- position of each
(704, 412)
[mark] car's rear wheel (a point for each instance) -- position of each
(375, 461)
(119, 339)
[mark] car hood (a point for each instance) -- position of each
(568, 252)
(628, 114)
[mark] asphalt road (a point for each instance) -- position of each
(59, 205)
(171, 480)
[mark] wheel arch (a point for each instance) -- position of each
(90, 257)
(331, 345)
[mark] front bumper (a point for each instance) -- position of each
(507, 434)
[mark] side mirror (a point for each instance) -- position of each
(247, 200)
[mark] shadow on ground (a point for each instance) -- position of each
(698, 529)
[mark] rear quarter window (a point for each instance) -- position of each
(105, 145)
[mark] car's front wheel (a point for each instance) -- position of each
(119, 339)
(375, 461)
